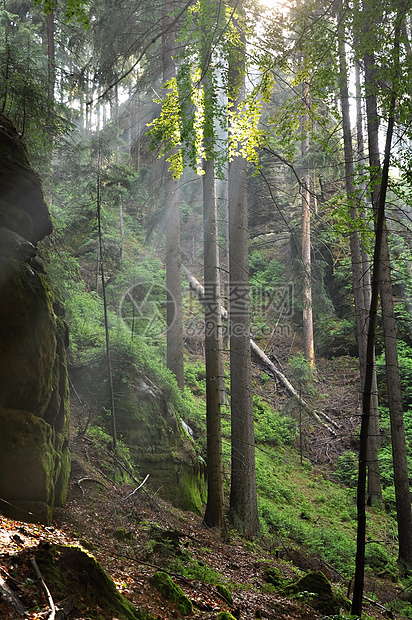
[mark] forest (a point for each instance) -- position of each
(205, 309)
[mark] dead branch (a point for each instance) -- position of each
(45, 589)
(137, 488)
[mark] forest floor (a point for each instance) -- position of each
(120, 530)
(135, 533)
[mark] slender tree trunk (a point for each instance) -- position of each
(308, 342)
(51, 56)
(361, 298)
(173, 253)
(214, 514)
(106, 321)
(243, 497)
(400, 467)
(374, 483)
(359, 581)
(121, 222)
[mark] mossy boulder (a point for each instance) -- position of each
(150, 427)
(315, 583)
(20, 187)
(225, 615)
(69, 571)
(275, 577)
(225, 592)
(172, 592)
(27, 337)
(34, 395)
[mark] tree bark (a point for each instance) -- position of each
(51, 64)
(374, 482)
(243, 495)
(307, 324)
(361, 296)
(173, 254)
(214, 514)
(400, 466)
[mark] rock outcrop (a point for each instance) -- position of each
(34, 409)
(147, 423)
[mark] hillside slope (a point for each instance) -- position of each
(134, 534)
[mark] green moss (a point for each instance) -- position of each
(225, 592)
(275, 577)
(70, 571)
(225, 615)
(26, 463)
(172, 592)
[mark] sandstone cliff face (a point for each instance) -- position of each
(34, 411)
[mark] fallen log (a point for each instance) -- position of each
(265, 362)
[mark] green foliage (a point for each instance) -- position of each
(303, 373)
(272, 427)
(264, 272)
(195, 377)
(378, 558)
(193, 569)
(405, 372)
(24, 83)
(347, 469)
(75, 10)
(385, 455)
(194, 116)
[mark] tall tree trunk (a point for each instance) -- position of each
(400, 466)
(106, 320)
(243, 497)
(214, 514)
(361, 296)
(374, 482)
(51, 56)
(308, 342)
(173, 253)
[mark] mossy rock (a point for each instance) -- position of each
(175, 478)
(16, 220)
(225, 592)
(26, 465)
(27, 338)
(275, 577)
(225, 615)
(71, 572)
(172, 592)
(34, 393)
(316, 583)
(20, 185)
(150, 428)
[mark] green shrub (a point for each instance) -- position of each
(270, 426)
(347, 469)
(376, 556)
